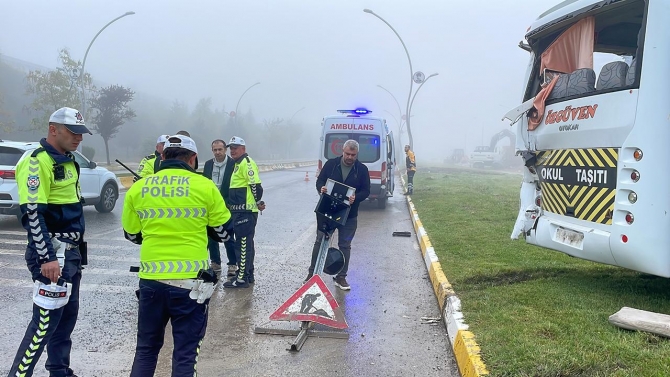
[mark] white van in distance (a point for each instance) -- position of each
(376, 151)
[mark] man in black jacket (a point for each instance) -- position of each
(348, 170)
(219, 169)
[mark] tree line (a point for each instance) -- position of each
(27, 100)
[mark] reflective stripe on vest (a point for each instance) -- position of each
(169, 213)
(173, 267)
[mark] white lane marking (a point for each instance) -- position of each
(94, 245)
(106, 288)
(87, 270)
(90, 257)
(99, 235)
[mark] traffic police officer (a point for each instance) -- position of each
(171, 213)
(49, 195)
(244, 201)
(149, 164)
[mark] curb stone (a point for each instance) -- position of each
(466, 350)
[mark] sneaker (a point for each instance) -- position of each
(236, 284)
(309, 276)
(232, 270)
(216, 267)
(341, 282)
(251, 279)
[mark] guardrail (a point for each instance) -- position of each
(126, 179)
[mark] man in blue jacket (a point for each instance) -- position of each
(219, 169)
(348, 170)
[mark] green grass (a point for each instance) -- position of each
(534, 311)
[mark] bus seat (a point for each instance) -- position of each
(581, 81)
(612, 75)
(630, 77)
(560, 90)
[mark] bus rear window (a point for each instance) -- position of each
(369, 146)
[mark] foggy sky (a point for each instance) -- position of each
(323, 55)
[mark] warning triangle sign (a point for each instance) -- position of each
(312, 302)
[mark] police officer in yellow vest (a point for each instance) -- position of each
(244, 201)
(170, 214)
(49, 195)
(149, 164)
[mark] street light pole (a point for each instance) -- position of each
(83, 65)
(411, 71)
(417, 91)
(291, 119)
(396, 101)
(237, 114)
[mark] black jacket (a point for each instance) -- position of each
(358, 178)
(227, 173)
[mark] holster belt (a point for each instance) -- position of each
(181, 283)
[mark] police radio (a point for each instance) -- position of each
(59, 172)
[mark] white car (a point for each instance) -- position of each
(99, 186)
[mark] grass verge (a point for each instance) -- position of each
(534, 311)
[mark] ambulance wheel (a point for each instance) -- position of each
(108, 198)
(381, 202)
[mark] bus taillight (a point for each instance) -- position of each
(637, 154)
(624, 238)
(630, 218)
(635, 176)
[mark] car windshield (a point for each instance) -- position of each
(10, 156)
(369, 146)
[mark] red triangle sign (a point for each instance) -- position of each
(312, 302)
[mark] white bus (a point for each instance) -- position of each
(594, 132)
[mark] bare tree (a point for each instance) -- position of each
(112, 111)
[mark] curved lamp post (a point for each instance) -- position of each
(83, 65)
(291, 119)
(238, 101)
(411, 71)
(417, 91)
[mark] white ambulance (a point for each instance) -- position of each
(377, 150)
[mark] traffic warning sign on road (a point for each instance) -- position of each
(313, 302)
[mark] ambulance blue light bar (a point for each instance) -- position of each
(358, 111)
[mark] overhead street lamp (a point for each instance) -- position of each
(399, 123)
(417, 91)
(291, 119)
(238, 101)
(83, 65)
(411, 71)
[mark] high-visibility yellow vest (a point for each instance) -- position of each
(149, 165)
(245, 176)
(172, 209)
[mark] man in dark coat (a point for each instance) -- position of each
(348, 170)
(219, 169)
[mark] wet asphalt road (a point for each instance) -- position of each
(390, 293)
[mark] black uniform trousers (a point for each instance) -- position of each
(410, 181)
(160, 303)
(50, 328)
(244, 227)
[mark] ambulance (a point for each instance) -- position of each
(377, 150)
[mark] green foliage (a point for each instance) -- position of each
(89, 152)
(534, 312)
(52, 90)
(111, 112)
(6, 124)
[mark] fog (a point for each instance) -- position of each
(320, 55)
